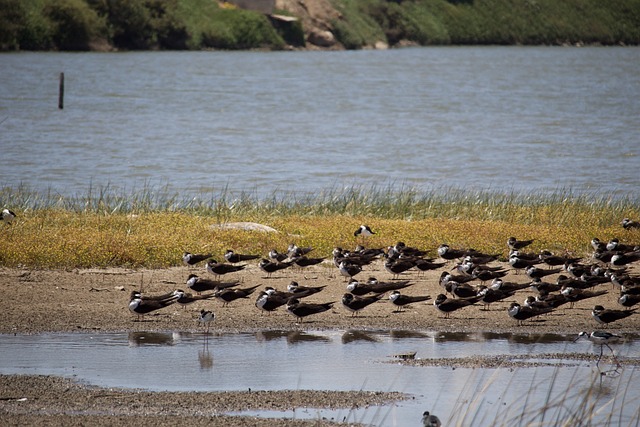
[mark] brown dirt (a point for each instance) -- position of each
(96, 300)
(53, 300)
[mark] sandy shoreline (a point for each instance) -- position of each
(96, 300)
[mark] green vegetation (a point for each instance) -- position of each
(202, 24)
(151, 228)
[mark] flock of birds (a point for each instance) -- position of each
(473, 280)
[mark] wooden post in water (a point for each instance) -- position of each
(61, 92)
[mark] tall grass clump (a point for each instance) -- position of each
(153, 226)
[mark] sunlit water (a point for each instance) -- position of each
(506, 119)
(335, 360)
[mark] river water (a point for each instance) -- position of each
(506, 119)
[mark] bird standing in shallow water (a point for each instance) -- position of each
(206, 317)
(429, 420)
(602, 338)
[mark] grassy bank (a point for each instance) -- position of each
(203, 24)
(152, 228)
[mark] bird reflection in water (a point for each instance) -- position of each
(205, 358)
(137, 339)
(355, 335)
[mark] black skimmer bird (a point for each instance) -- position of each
(538, 273)
(556, 260)
(574, 295)
(606, 316)
(397, 267)
(522, 313)
(625, 258)
(303, 291)
(270, 302)
(446, 252)
(520, 263)
(230, 295)
(276, 256)
(373, 286)
(302, 310)
(349, 270)
(218, 268)
(192, 259)
(490, 295)
(304, 261)
(295, 251)
(448, 305)
(140, 295)
(7, 216)
(400, 300)
(199, 285)
(206, 317)
(430, 420)
(185, 298)
(141, 306)
(463, 290)
(628, 300)
(615, 245)
(516, 244)
(235, 258)
(628, 224)
(355, 303)
(271, 267)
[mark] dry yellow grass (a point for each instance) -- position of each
(52, 238)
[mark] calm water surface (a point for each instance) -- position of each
(523, 119)
(338, 360)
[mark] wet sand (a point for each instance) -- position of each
(37, 301)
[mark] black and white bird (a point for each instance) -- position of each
(522, 313)
(218, 268)
(198, 284)
(430, 420)
(7, 216)
(302, 309)
(235, 258)
(206, 317)
(355, 303)
(516, 244)
(364, 231)
(232, 294)
(400, 300)
(448, 305)
(606, 316)
(192, 259)
(141, 306)
(271, 267)
(349, 270)
(628, 224)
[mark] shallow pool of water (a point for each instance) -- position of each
(339, 360)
